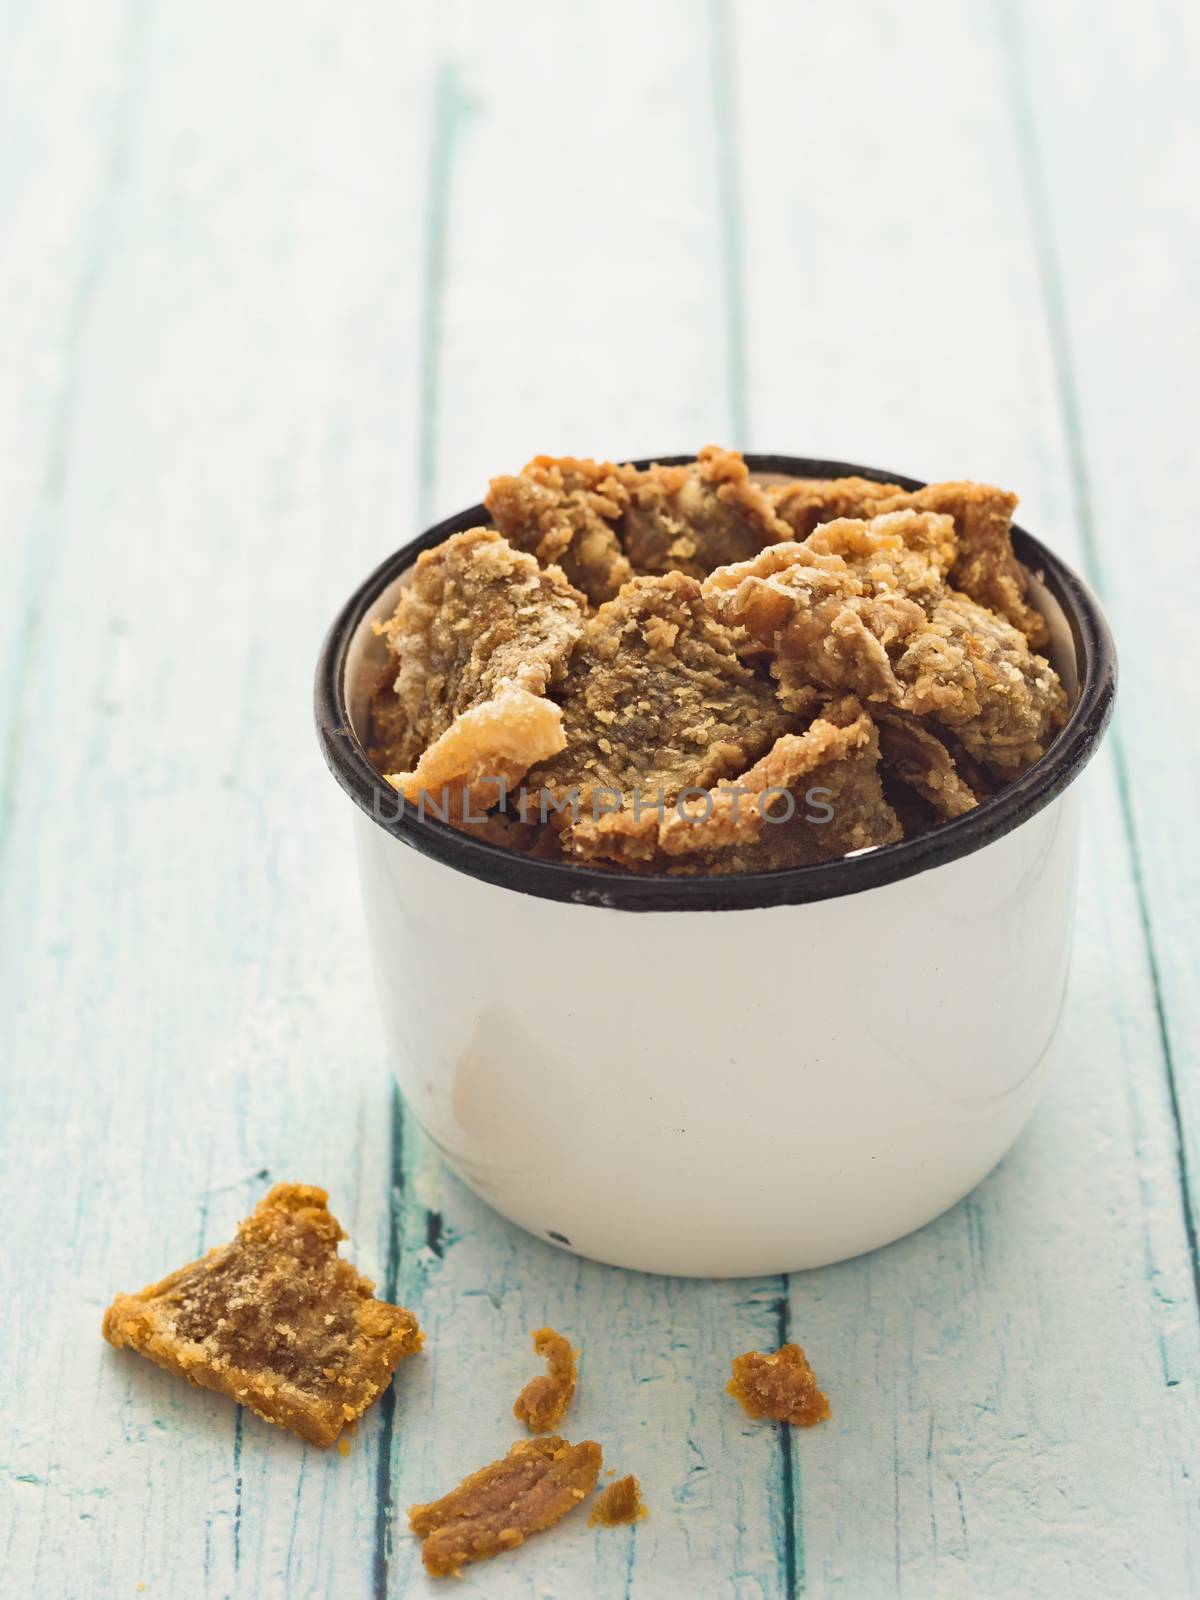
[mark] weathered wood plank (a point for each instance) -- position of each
(186, 999)
(1118, 230)
(898, 319)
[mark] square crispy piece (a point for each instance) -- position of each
(275, 1320)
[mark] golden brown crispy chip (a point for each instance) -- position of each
(985, 567)
(781, 1387)
(976, 674)
(602, 523)
(657, 698)
(565, 511)
(696, 517)
(477, 619)
(482, 755)
(617, 1503)
(542, 1403)
(813, 796)
(804, 503)
(477, 638)
(275, 1320)
(916, 755)
(495, 1509)
(864, 606)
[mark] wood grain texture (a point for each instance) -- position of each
(281, 283)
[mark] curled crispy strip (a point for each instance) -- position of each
(483, 753)
(542, 1403)
(919, 758)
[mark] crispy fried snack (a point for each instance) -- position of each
(495, 1509)
(782, 1387)
(656, 699)
(696, 517)
(804, 503)
(478, 637)
(864, 606)
(985, 567)
(482, 754)
(525, 719)
(813, 796)
(602, 523)
(914, 753)
(566, 511)
(617, 1503)
(542, 1403)
(275, 1320)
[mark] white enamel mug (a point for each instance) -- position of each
(743, 1074)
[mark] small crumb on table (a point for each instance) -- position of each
(542, 1403)
(618, 1503)
(781, 1386)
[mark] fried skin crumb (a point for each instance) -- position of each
(603, 523)
(657, 698)
(478, 621)
(918, 758)
(985, 567)
(762, 819)
(542, 1403)
(276, 1320)
(495, 1509)
(617, 1503)
(565, 512)
(865, 607)
(782, 1387)
(697, 517)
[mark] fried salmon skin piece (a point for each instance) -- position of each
(921, 760)
(477, 638)
(618, 1503)
(565, 511)
(657, 698)
(697, 517)
(542, 1403)
(496, 1509)
(482, 755)
(865, 607)
(603, 523)
(275, 1320)
(781, 1387)
(985, 565)
(477, 618)
(762, 819)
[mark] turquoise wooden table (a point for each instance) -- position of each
(278, 284)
